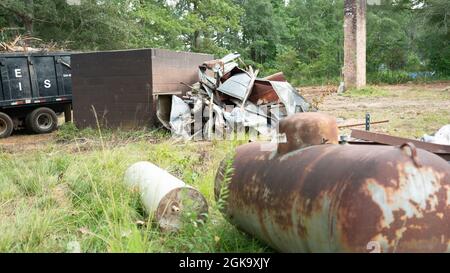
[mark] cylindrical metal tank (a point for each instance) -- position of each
(166, 197)
(339, 198)
(307, 129)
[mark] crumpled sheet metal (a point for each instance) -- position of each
(230, 57)
(180, 118)
(236, 86)
(251, 116)
(262, 102)
(289, 96)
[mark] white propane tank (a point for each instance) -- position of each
(166, 197)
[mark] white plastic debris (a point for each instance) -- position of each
(441, 137)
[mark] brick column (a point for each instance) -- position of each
(354, 43)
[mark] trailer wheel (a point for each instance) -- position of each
(6, 125)
(42, 120)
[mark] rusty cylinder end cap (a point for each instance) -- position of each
(179, 207)
(307, 129)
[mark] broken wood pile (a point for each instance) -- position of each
(22, 44)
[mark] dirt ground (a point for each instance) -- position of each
(413, 110)
(338, 103)
(23, 140)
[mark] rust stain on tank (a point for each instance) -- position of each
(339, 198)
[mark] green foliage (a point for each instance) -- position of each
(389, 76)
(157, 26)
(209, 24)
(303, 38)
(387, 40)
(260, 32)
(316, 34)
(435, 41)
(67, 132)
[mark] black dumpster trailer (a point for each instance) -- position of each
(34, 89)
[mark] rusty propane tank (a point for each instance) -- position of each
(337, 198)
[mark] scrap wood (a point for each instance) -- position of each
(20, 44)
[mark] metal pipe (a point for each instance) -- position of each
(164, 196)
(362, 124)
(338, 198)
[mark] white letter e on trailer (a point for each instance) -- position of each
(18, 73)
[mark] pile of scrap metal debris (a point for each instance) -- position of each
(234, 98)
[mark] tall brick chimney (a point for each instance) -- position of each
(354, 43)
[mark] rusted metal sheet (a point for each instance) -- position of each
(339, 198)
(263, 93)
(441, 150)
(170, 68)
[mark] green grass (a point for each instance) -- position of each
(64, 195)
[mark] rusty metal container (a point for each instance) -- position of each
(122, 86)
(339, 198)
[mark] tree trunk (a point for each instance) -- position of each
(198, 33)
(197, 40)
(28, 20)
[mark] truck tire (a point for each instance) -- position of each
(6, 125)
(42, 120)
